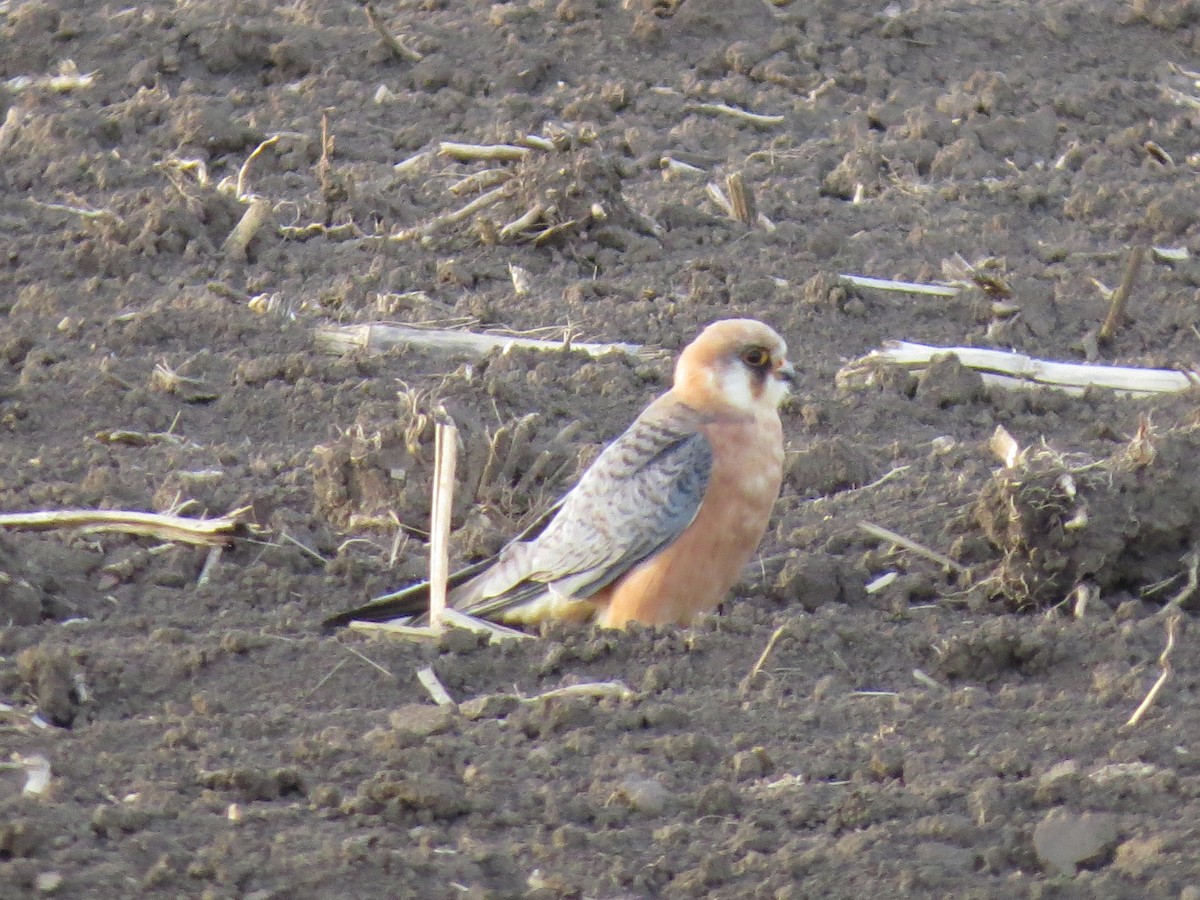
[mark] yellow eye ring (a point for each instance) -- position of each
(756, 357)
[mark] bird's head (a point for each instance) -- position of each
(738, 363)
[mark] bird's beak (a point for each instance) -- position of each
(786, 373)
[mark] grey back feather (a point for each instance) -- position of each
(636, 498)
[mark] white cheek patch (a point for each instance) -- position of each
(777, 390)
(736, 387)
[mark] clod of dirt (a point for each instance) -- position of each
(254, 783)
(826, 467)
(1166, 14)
(815, 579)
(1066, 841)
(19, 839)
(751, 764)
(992, 649)
(20, 600)
(947, 382)
(859, 173)
(51, 676)
(398, 798)
(555, 715)
(112, 820)
(830, 291)
(216, 130)
(642, 794)
(1123, 523)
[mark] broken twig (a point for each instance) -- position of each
(886, 534)
(207, 532)
(751, 678)
(742, 115)
(495, 195)
(1120, 297)
(1164, 662)
(433, 684)
(248, 226)
(394, 45)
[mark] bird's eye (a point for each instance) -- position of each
(756, 357)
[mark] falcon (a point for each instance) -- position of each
(660, 526)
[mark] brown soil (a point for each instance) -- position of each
(945, 735)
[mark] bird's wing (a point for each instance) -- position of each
(638, 496)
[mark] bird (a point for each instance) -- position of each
(659, 528)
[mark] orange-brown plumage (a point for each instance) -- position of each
(660, 527)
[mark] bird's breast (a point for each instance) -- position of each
(696, 572)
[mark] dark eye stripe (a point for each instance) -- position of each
(756, 357)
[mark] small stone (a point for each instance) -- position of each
(48, 882)
(1064, 769)
(489, 706)
(418, 720)
(1065, 840)
(645, 795)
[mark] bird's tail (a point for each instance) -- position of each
(412, 601)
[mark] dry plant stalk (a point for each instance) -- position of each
(1004, 369)
(751, 678)
(434, 686)
(479, 181)
(1164, 662)
(902, 287)
(476, 152)
(445, 462)
(247, 227)
(537, 142)
(205, 532)
(741, 199)
(394, 45)
(1120, 297)
(210, 565)
(1192, 558)
(408, 632)
(495, 632)
(524, 222)
(370, 662)
(717, 195)
(244, 171)
(495, 195)
(342, 339)
(723, 109)
(912, 546)
(414, 162)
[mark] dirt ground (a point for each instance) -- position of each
(956, 731)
